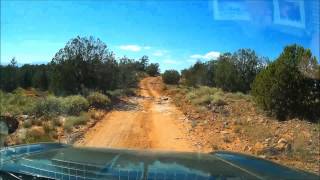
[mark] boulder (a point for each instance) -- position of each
(259, 148)
(283, 145)
(11, 122)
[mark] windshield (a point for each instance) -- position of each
(176, 76)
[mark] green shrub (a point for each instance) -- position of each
(129, 92)
(50, 106)
(48, 127)
(98, 100)
(171, 77)
(122, 92)
(283, 90)
(72, 121)
(202, 91)
(36, 136)
(153, 69)
(73, 105)
(27, 124)
(205, 95)
(202, 100)
(218, 99)
(16, 103)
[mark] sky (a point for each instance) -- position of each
(174, 34)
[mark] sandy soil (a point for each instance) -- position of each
(147, 121)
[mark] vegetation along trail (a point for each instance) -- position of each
(147, 121)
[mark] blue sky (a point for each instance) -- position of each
(173, 33)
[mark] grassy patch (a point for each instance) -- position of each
(122, 92)
(205, 95)
(50, 106)
(299, 149)
(98, 100)
(72, 121)
(255, 133)
(37, 134)
(73, 105)
(16, 103)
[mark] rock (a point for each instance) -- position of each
(37, 131)
(224, 132)
(10, 121)
(165, 98)
(283, 145)
(196, 116)
(267, 140)
(246, 148)
(263, 156)
(24, 116)
(259, 148)
(21, 133)
(280, 146)
(282, 140)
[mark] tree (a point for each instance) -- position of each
(127, 73)
(196, 74)
(284, 90)
(40, 78)
(9, 76)
(75, 66)
(171, 77)
(142, 63)
(26, 73)
(153, 69)
(226, 75)
(248, 65)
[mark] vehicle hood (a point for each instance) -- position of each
(61, 161)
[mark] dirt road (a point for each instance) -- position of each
(147, 121)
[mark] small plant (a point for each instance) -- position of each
(73, 105)
(15, 104)
(57, 122)
(36, 134)
(237, 129)
(97, 115)
(47, 127)
(27, 124)
(205, 95)
(98, 100)
(50, 106)
(72, 121)
(217, 99)
(122, 92)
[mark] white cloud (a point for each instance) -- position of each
(134, 48)
(159, 53)
(208, 56)
(196, 56)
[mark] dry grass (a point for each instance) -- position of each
(72, 121)
(255, 133)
